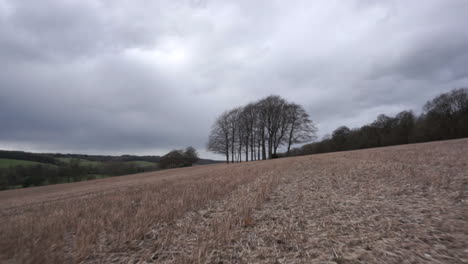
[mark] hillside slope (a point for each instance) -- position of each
(402, 204)
(7, 163)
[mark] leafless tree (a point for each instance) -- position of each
(260, 128)
(301, 129)
(233, 118)
(248, 119)
(219, 139)
(273, 120)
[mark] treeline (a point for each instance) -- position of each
(444, 117)
(21, 155)
(257, 130)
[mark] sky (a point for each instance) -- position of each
(144, 77)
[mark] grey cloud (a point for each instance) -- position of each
(145, 77)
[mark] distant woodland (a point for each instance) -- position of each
(444, 117)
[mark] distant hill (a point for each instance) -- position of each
(57, 158)
(21, 155)
(106, 157)
(7, 163)
(23, 169)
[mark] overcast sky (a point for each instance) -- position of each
(144, 77)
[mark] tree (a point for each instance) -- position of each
(272, 109)
(219, 139)
(339, 137)
(191, 155)
(233, 118)
(248, 119)
(404, 125)
(447, 115)
(173, 159)
(301, 128)
(179, 158)
(260, 128)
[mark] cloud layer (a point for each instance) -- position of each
(144, 77)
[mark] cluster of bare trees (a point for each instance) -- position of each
(257, 130)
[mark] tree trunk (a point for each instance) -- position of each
(270, 147)
(263, 145)
(247, 150)
(240, 150)
(232, 154)
(258, 150)
(264, 149)
(252, 146)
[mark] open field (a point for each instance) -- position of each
(7, 163)
(85, 162)
(143, 164)
(403, 204)
(81, 161)
(23, 169)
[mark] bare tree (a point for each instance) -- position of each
(300, 128)
(233, 130)
(271, 116)
(219, 139)
(260, 128)
(248, 119)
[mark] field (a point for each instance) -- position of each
(7, 163)
(22, 169)
(403, 204)
(143, 164)
(136, 163)
(83, 162)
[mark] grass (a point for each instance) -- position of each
(83, 162)
(6, 163)
(402, 204)
(143, 163)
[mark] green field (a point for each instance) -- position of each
(6, 163)
(142, 163)
(83, 162)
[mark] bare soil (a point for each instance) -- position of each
(403, 204)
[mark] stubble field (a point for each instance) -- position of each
(403, 204)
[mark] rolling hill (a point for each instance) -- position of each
(24, 169)
(7, 163)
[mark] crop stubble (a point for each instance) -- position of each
(403, 204)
